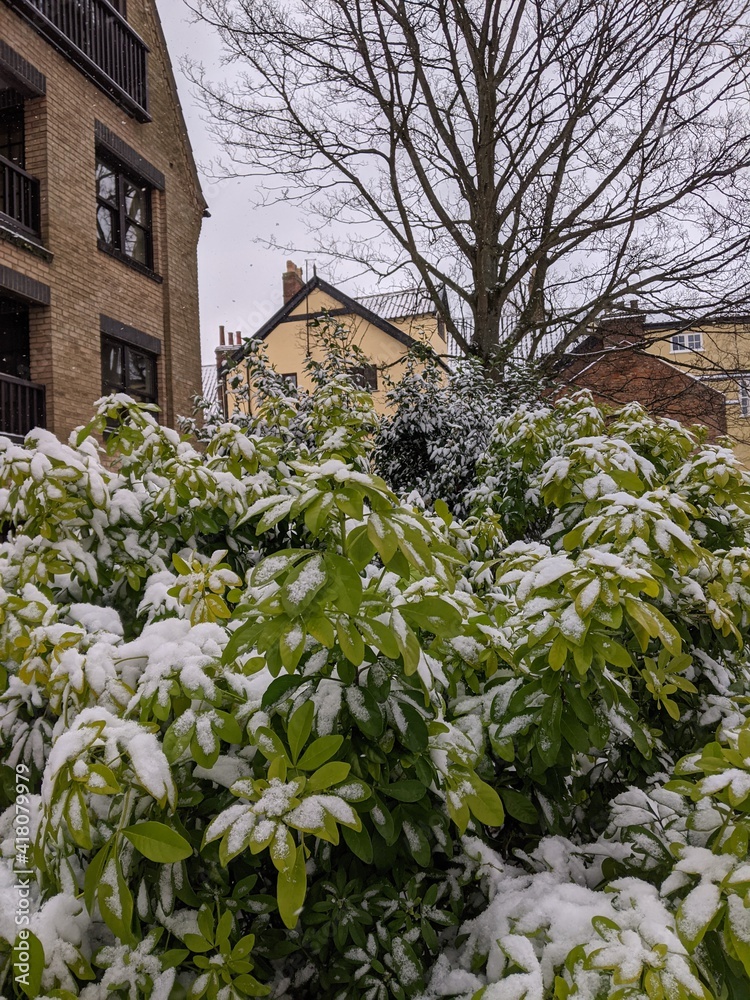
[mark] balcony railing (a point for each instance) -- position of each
(99, 41)
(19, 197)
(22, 406)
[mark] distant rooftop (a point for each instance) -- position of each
(210, 383)
(399, 305)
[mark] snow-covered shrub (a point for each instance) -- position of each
(266, 729)
(440, 421)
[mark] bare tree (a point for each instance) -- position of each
(541, 160)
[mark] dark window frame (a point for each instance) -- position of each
(365, 376)
(124, 386)
(116, 207)
(291, 378)
(13, 120)
(15, 348)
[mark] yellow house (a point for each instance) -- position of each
(717, 352)
(384, 326)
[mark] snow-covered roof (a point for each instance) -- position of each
(210, 383)
(398, 305)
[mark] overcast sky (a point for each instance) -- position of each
(240, 281)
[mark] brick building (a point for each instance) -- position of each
(100, 213)
(616, 364)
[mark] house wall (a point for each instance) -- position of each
(84, 281)
(291, 342)
(724, 362)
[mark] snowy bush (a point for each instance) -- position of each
(440, 421)
(267, 729)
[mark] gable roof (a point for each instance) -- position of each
(653, 360)
(399, 305)
(351, 306)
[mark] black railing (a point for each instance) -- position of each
(19, 197)
(22, 406)
(99, 41)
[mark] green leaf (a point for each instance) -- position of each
(180, 565)
(108, 783)
(519, 806)
(406, 790)
(408, 643)
(383, 820)
(379, 636)
(351, 642)
(328, 775)
(413, 732)
(579, 704)
(279, 687)
(77, 817)
(93, 875)
(435, 615)
(292, 646)
(30, 980)
(319, 752)
(613, 652)
(346, 583)
(303, 584)
(158, 842)
(484, 803)
(197, 943)
(359, 842)
(291, 888)
(365, 711)
(227, 727)
(116, 901)
(176, 740)
(299, 729)
(270, 745)
(249, 986)
(359, 548)
(383, 537)
(276, 565)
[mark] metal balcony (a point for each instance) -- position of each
(19, 198)
(22, 406)
(100, 43)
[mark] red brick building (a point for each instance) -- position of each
(614, 365)
(100, 213)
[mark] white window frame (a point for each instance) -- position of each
(743, 397)
(681, 343)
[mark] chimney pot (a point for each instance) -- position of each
(222, 341)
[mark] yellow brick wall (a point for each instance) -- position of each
(84, 282)
(725, 350)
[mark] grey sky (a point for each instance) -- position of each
(240, 281)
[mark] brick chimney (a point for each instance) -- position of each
(626, 327)
(291, 280)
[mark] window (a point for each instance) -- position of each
(15, 356)
(365, 376)
(12, 135)
(123, 214)
(687, 342)
(291, 378)
(128, 369)
(744, 397)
